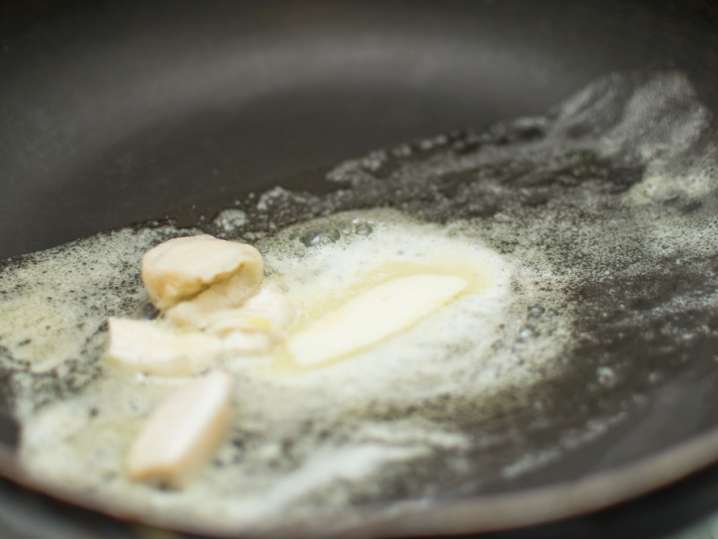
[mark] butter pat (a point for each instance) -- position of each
(373, 315)
(183, 432)
(150, 347)
(182, 268)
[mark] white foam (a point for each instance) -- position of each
(454, 352)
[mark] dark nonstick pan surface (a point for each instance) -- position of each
(112, 114)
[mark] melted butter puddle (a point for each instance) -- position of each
(383, 304)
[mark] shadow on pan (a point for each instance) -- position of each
(116, 115)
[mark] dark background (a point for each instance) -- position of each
(115, 112)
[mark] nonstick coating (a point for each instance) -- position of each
(114, 113)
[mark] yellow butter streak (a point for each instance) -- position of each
(338, 326)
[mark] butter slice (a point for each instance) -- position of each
(183, 432)
(147, 346)
(373, 315)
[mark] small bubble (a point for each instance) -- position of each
(362, 228)
(606, 376)
(270, 451)
(403, 150)
(535, 311)
(230, 219)
(526, 333)
(374, 161)
(320, 237)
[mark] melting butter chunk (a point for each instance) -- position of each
(152, 348)
(198, 311)
(182, 268)
(269, 311)
(149, 347)
(373, 315)
(183, 432)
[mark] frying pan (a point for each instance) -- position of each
(113, 113)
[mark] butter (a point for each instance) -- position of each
(372, 316)
(183, 432)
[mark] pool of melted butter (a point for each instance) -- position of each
(303, 437)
